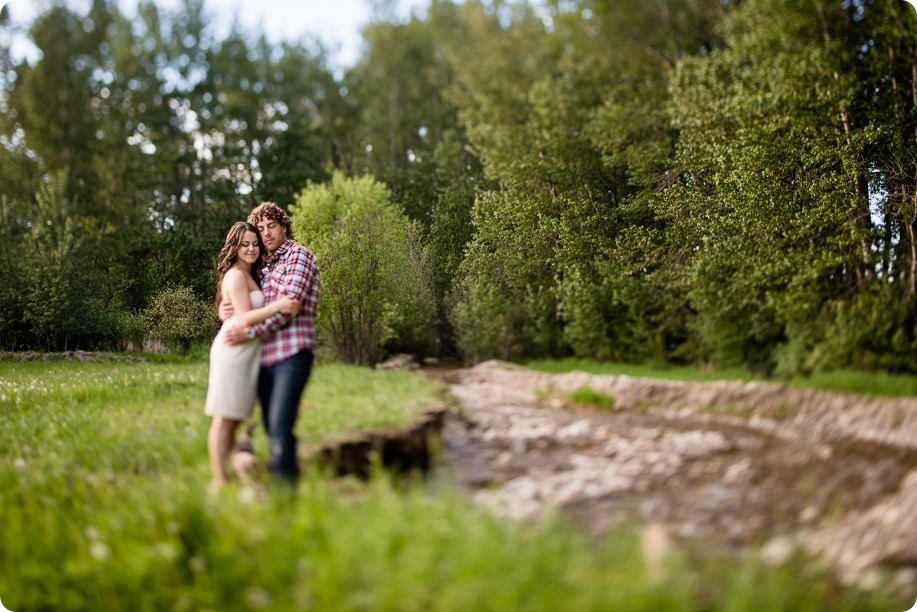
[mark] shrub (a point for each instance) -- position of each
(376, 279)
(178, 318)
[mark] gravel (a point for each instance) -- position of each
(730, 464)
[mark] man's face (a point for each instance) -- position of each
(272, 234)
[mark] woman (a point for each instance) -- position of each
(234, 369)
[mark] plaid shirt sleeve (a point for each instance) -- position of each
(299, 281)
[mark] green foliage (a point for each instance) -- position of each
(58, 288)
(590, 397)
(377, 289)
(66, 302)
(875, 330)
(402, 112)
(503, 299)
(160, 136)
(652, 369)
(608, 315)
(679, 180)
(570, 246)
(767, 122)
(13, 331)
(852, 381)
(180, 319)
(451, 228)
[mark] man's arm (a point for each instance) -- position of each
(226, 310)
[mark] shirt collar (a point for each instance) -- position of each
(283, 248)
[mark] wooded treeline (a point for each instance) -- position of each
(724, 181)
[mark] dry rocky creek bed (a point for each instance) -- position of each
(732, 466)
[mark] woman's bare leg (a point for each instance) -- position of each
(220, 440)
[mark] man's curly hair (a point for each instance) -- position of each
(268, 211)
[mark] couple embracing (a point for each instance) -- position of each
(266, 297)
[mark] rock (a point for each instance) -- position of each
(577, 429)
(398, 362)
(778, 550)
(808, 514)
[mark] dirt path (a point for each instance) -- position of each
(729, 464)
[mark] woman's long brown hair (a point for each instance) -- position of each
(229, 254)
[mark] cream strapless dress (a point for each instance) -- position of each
(233, 382)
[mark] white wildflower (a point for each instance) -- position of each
(257, 596)
(197, 564)
(99, 551)
(165, 550)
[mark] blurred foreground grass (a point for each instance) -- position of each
(871, 383)
(102, 507)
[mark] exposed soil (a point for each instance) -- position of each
(731, 465)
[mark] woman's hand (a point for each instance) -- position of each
(288, 305)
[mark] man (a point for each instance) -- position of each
(287, 343)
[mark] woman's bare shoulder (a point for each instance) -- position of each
(234, 276)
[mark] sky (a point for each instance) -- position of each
(336, 22)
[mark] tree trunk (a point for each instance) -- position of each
(394, 114)
(863, 272)
(914, 81)
(912, 271)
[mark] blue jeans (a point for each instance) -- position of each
(280, 387)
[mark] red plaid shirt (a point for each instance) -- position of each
(291, 271)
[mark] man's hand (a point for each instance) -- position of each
(235, 334)
(226, 310)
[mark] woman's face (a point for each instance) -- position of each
(249, 249)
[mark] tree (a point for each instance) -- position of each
(377, 288)
(565, 107)
(399, 85)
(777, 148)
(503, 303)
(458, 177)
(63, 306)
(165, 136)
(518, 114)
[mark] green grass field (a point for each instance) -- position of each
(103, 472)
(871, 383)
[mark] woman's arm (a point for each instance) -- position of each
(235, 286)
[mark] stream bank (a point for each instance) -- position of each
(729, 465)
